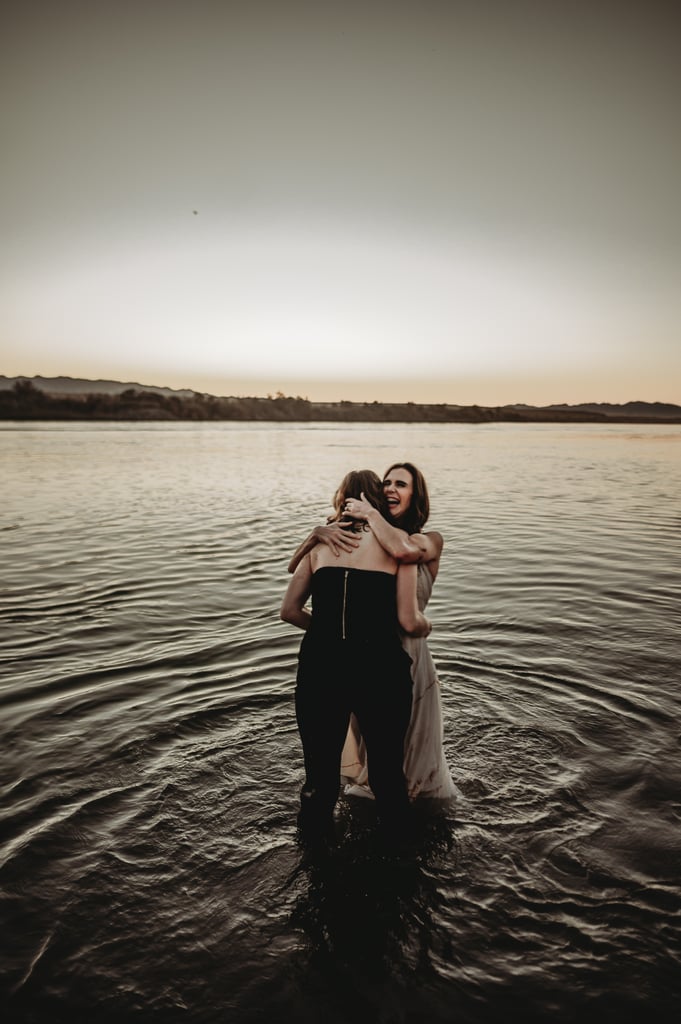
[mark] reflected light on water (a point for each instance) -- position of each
(151, 764)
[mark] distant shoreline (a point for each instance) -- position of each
(24, 401)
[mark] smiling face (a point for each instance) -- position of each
(398, 487)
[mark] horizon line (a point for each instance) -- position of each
(279, 394)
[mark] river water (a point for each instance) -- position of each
(149, 868)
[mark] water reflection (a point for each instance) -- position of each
(152, 764)
(366, 909)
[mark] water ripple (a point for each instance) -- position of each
(151, 762)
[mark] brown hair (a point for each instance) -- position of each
(416, 516)
(353, 484)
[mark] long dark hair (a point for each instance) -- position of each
(353, 485)
(416, 516)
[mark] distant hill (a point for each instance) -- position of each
(661, 410)
(79, 386)
(67, 398)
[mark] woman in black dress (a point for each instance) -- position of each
(352, 660)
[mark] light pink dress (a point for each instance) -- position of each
(425, 765)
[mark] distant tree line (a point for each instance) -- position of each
(26, 402)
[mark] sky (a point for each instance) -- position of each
(431, 202)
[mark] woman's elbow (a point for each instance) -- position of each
(415, 626)
(406, 552)
(409, 624)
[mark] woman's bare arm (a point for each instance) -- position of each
(335, 535)
(293, 606)
(412, 620)
(414, 548)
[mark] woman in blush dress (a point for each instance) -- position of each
(425, 765)
(352, 662)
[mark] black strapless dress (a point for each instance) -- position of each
(352, 660)
(354, 606)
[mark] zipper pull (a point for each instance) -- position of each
(345, 598)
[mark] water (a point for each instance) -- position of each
(151, 764)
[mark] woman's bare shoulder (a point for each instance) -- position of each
(434, 542)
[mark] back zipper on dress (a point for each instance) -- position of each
(345, 595)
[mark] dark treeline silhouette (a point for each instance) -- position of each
(26, 402)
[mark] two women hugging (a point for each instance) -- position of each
(367, 693)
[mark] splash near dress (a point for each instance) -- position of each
(425, 765)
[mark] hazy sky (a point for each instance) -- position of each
(423, 201)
